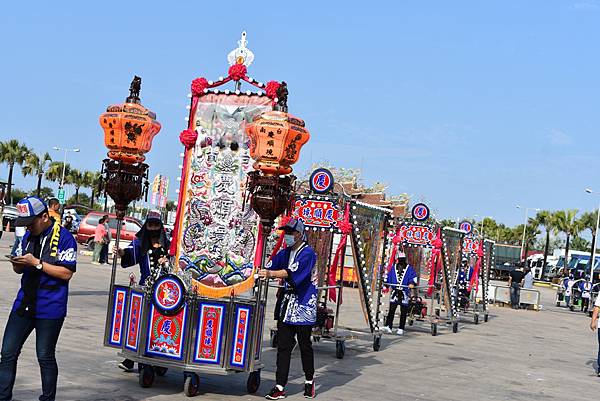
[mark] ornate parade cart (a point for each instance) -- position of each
(418, 238)
(333, 221)
(205, 312)
(479, 253)
(451, 252)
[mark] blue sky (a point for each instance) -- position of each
(472, 106)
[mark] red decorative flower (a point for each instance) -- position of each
(397, 239)
(188, 138)
(198, 86)
(271, 89)
(237, 71)
(345, 227)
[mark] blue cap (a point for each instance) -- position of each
(29, 208)
(293, 225)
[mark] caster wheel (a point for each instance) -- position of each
(485, 317)
(160, 371)
(410, 322)
(571, 308)
(455, 327)
(191, 385)
(253, 382)
(273, 338)
(434, 329)
(558, 304)
(476, 318)
(146, 375)
(340, 349)
(376, 343)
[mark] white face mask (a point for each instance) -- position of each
(289, 239)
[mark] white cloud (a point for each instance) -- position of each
(586, 5)
(558, 137)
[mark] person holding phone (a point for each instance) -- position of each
(46, 261)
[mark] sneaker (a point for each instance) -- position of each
(386, 329)
(309, 390)
(276, 394)
(400, 332)
(96, 263)
(125, 367)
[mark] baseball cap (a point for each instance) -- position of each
(293, 225)
(154, 215)
(29, 208)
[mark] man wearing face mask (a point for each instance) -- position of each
(149, 250)
(296, 308)
(46, 261)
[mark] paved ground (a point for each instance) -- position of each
(517, 355)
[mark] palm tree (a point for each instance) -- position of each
(54, 172)
(588, 221)
(36, 165)
(13, 153)
(92, 179)
(78, 179)
(566, 222)
(531, 232)
(545, 218)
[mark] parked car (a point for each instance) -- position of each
(9, 215)
(85, 234)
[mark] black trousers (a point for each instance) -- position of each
(285, 345)
(390, 317)
(585, 303)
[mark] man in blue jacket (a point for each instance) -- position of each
(46, 261)
(402, 278)
(296, 309)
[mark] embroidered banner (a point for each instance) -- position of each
(134, 321)
(166, 333)
(209, 333)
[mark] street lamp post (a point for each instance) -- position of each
(62, 180)
(525, 228)
(592, 260)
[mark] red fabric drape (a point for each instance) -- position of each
(474, 283)
(435, 262)
(340, 253)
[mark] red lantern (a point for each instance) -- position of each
(129, 128)
(276, 139)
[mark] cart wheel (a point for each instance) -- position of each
(476, 318)
(146, 375)
(160, 371)
(376, 343)
(557, 303)
(410, 322)
(571, 308)
(434, 329)
(485, 317)
(191, 385)
(455, 327)
(253, 382)
(340, 349)
(273, 338)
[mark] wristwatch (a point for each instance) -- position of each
(40, 265)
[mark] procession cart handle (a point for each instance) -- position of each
(406, 286)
